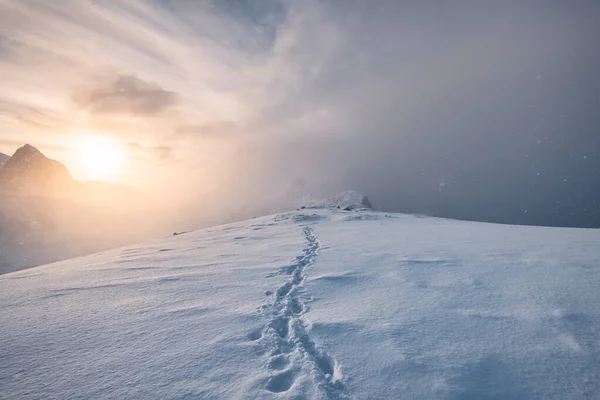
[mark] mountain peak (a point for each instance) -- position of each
(23, 156)
(27, 148)
(30, 161)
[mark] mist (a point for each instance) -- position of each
(465, 110)
(473, 110)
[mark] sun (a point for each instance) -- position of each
(99, 157)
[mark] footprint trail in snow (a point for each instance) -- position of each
(286, 338)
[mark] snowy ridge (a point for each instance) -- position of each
(407, 307)
(286, 336)
(348, 200)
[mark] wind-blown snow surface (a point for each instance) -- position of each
(313, 304)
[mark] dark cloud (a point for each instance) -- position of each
(468, 110)
(125, 94)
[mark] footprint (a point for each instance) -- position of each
(281, 326)
(286, 310)
(255, 335)
(284, 290)
(288, 270)
(279, 362)
(325, 364)
(295, 306)
(281, 382)
(297, 278)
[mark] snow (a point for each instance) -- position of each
(317, 304)
(348, 200)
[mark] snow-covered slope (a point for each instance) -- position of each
(313, 304)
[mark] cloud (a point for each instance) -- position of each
(125, 94)
(11, 145)
(163, 153)
(218, 129)
(392, 98)
(36, 117)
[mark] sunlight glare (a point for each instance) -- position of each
(99, 157)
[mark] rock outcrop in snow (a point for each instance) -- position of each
(348, 200)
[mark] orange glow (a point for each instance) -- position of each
(100, 158)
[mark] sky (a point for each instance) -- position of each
(481, 110)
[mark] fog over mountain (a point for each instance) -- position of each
(471, 110)
(46, 215)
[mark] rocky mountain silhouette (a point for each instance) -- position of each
(3, 159)
(46, 215)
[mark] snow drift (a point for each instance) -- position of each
(317, 304)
